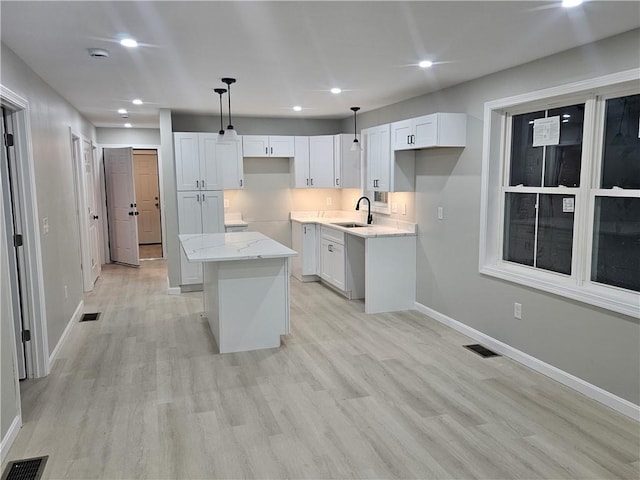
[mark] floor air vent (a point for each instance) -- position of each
(482, 351)
(90, 317)
(28, 469)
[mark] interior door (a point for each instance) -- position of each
(92, 210)
(145, 166)
(121, 206)
(10, 217)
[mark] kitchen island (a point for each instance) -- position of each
(246, 287)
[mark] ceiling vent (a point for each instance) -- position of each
(98, 53)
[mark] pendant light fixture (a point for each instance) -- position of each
(220, 91)
(231, 133)
(355, 146)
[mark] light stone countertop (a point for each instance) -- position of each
(381, 227)
(234, 219)
(220, 247)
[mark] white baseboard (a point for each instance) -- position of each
(592, 391)
(75, 318)
(9, 438)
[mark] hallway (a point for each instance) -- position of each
(142, 393)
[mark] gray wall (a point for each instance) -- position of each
(128, 136)
(51, 117)
(596, 345)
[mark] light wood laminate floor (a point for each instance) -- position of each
(142, 393)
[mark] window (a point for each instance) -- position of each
(561, 191)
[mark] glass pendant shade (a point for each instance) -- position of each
(355, 146)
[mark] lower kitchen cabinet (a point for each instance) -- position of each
(304, 240)
(332, 263)
(198, 212)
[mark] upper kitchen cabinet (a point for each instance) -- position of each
(346, 164)
(387, 171)
(435, 130)
(267, 146)
(196, 164)
(313, 162)
(229, 154)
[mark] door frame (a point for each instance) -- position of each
(38, 347)
(79, 190)
(163, 227)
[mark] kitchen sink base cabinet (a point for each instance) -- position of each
(252, 298)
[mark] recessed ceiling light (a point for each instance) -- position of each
(571, 3)
(127, 125)
(336, 90)
(128, 42)
(425, 64)
(297, 108)
(122, 111)
(137, 101)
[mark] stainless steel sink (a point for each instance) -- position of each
(351, 225)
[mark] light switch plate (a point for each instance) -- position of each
(440, 213)
(45, 225)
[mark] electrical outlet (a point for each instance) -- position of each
(394, 207)
(517, 311)
(45, 225)
(440, 213)
(404, 208)
(226, 203)
(329, 201)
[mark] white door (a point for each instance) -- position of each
(321, 161)
(121, 206)
(309, 250)
(212, 212)
(301, 163)
(210, 166)
(255, 145)
(145, 166)
(426, 131)
(281, 146)
(190, 221)
(92, 210)
(187, 161)
(401, 135)
(229, 155)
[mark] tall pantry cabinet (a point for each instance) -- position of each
(199, 183)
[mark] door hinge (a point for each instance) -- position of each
(26, 335)
(17, 240)
(8, 140)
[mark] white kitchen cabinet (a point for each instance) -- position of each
(434, 130)
(332, 257)
(196, 165)
(229, 154)
(346, 164)
(268, 146)
(304, 240)
(198, 212)
(387, 171)
(313, 162)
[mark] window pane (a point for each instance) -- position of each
(621, 156)
(526, 161)
(616, 242)
(519, 227)
(562, 162)
(555, 233)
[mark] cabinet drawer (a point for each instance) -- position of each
(332, 234)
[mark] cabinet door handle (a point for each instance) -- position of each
(337, 182)
(307, 182)
(271, 150)
(312, 182)
(197, 184)
(240, 182)
(413, 139)
(330, 248)
(203, 185)
(409, 139)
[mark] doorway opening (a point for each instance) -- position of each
(147, 195)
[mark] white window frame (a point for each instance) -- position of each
(496, 145)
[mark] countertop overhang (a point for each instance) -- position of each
(221, 247)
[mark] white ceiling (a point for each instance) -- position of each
(286, 53)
